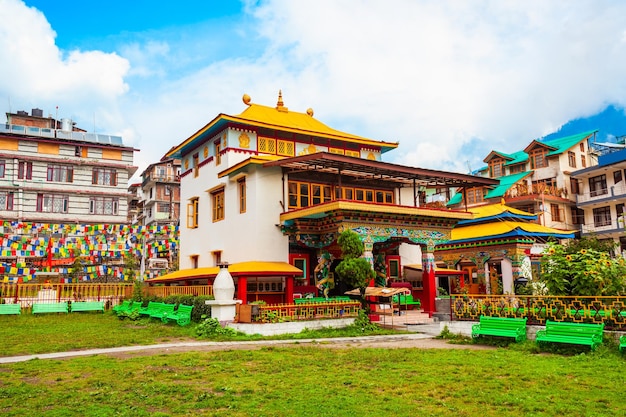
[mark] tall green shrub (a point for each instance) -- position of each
(354, 270)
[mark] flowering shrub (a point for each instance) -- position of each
(571, 270)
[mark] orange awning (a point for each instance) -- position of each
(249, 268)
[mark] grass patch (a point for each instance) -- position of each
(305, 381)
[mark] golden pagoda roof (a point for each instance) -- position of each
(504, 228)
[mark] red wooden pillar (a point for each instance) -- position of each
(289, 289)
(242, 289)
(428, 281)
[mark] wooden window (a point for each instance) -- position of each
(217, 257)
(538, 158)
(320, 193)
(578, 215)
(2, 168)
(217, 198)
(369, 196)
(571, 157)
(298, 194)
(6, 200)
(104, 176)
(514, 169)
(25, 170)
(267, 145)
(583, 161)
(60, 173)
(359, 194)
(582, 146)
(475, 195)
(196, 165)
(355, 154)
(218, 150)
(241, 186)
(192, 213)
(194, 261)
(286, 148)
(103, 205)
(52, 203)
(556, 212)
(495, 168)
(617, 176)
(388, 197)
(574, 185)
(336, 151)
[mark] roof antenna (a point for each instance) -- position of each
(469, 167)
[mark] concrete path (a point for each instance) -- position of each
(187, 346)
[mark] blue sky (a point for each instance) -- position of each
(450, 80)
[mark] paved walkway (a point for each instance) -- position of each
(428, 332)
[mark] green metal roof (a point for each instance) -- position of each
(456, 199)
(517, 158)
(563, 144)
(506, 182)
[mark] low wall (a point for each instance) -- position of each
(289, 327)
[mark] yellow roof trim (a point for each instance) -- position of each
(498, 228)
(495, 209)
(251, 268)
(289, 121)
(375, 208)
(256, 160)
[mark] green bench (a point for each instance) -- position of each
(182, 315)
(622, 343)
(147, 310)
(573, 333)
(87, 306)
(62, 307)
(500, 326)
(406, 300)
(122, 307)
(161, 310)
(6, 309)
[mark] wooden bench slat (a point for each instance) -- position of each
(572, 333)
(87, 306)
(500, 326)
(61, 307)
(6, 309)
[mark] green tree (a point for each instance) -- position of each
(580, 268)
(354, 270)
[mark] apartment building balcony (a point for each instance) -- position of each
(535, 190)
(615, 192)
(614, 227)
(153, 178)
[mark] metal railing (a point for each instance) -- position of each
(28, 294)
(307, 311)
(537, 309)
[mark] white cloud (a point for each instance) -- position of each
(449, 80)
(36, 73)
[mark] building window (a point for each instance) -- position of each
(103, 205)
(241, 186)
(495, 168)
(320, 193)
(60, 173)
(196, 165)
(602, 216)
(597, 185)
(6, 200)
(571, 157)
(578, 215)
(354, 154)
(2, 168)
(194, 261)
(166, 190)
(218, 150)
(298, 194)
(538, 158)
(217, 257)
(25, 170)
(163, 207)
(52, 203)
(192, 213)
(556, 212)
(617, 176)
(574, 185)
(514, 169)
(104, 176)
(267, 145)
(475, 195)
(286, 148)
(217, 198)
(582, 146)
(583, 161)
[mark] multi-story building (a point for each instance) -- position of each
(536, 180)
(160, 188)
(52, 172)
(601, 195)
(273, 186)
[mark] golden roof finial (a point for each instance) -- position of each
(246, 99)
(280, 106)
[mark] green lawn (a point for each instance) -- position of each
(295, 381)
